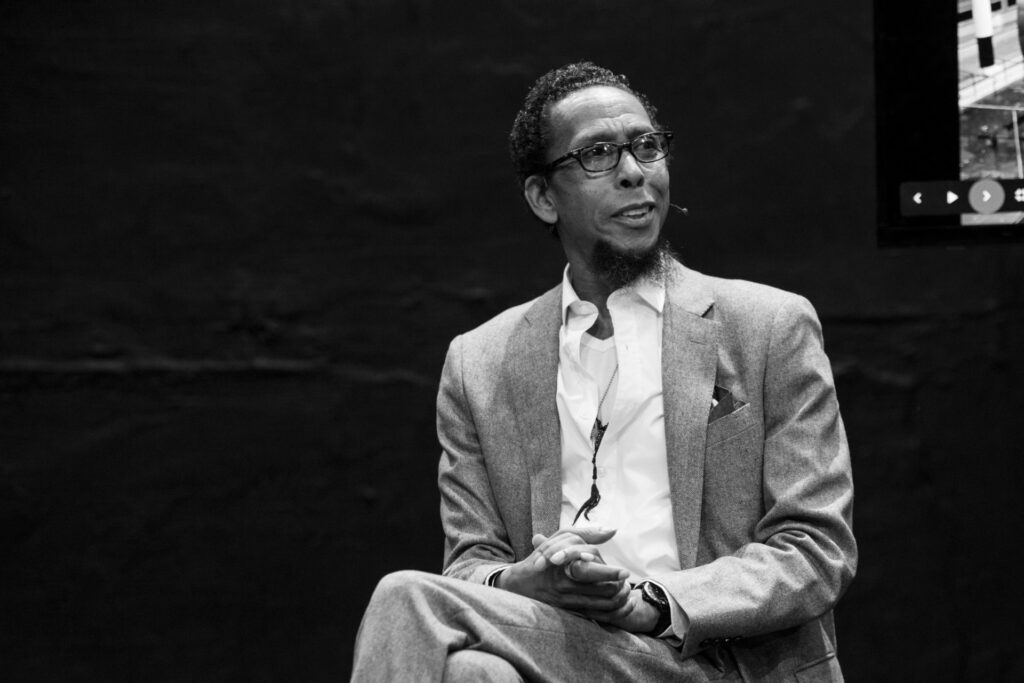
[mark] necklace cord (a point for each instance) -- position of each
(596, 436)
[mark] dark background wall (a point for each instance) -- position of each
(237, 237)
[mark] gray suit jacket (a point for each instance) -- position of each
(761, 497)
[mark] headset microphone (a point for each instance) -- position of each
(680, 209)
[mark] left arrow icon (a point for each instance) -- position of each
(917, 197)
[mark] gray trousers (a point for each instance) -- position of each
(424, 627)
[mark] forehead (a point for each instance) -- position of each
(596, 113)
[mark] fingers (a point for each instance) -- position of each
(564, 538)
(619, 614)
(566, 545)
(591, 581)
(599, 589)
(586, 565)
(583, 571)
(591, 534)
(579, 586)
(604, 599)
(560, 540)
(538, 541)
(612, 616)
(560, 556)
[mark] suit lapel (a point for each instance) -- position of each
(689, 359)
(534, 356)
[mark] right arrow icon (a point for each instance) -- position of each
(986, 195)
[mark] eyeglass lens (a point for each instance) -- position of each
(605, 155)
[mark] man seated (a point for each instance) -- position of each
(644, 473)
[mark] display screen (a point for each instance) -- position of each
(950, 119)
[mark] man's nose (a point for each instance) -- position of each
(630, 172)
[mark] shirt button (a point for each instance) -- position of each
(601, 471)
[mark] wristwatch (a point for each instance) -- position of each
(654, 595)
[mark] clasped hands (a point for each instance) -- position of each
(566, 570)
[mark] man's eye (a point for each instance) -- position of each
(648, 142)
(599, 150)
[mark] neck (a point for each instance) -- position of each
(596, 290)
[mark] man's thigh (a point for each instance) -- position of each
(540, 641)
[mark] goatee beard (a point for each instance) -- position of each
(622, 267)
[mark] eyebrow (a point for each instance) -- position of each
(604, 136)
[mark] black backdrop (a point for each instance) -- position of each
(237, 237)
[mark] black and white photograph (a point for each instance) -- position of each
(438, 340)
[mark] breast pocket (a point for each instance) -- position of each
(824, 669)
(733, 424)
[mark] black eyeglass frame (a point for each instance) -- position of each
(577, 153)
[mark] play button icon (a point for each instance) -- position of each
(951, 197)
(986, 196)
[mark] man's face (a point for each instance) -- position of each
(624, 207)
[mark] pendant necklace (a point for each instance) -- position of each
(596, 435)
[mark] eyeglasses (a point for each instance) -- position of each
(604, 156)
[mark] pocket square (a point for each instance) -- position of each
(723, 403)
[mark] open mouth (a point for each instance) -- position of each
(635, 212)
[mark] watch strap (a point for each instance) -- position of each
(653, 594)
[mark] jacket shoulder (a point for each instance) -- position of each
(490, 338)
(501, 324)
(744, 300)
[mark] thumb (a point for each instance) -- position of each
(594, 534)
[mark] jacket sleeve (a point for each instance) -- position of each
(802, 555)
(476, 541)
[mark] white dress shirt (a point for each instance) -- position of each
(631, 461)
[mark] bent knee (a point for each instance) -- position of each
(402, 584)
(474, 665)
(402, 579)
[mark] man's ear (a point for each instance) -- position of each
(538, 196)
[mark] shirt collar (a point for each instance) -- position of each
(650, 291)
(569, 295)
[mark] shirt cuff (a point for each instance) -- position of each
(493, 576)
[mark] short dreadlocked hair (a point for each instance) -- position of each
(528, 142)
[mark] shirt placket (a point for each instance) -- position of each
(582, 385)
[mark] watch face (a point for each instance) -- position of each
(654, 595)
